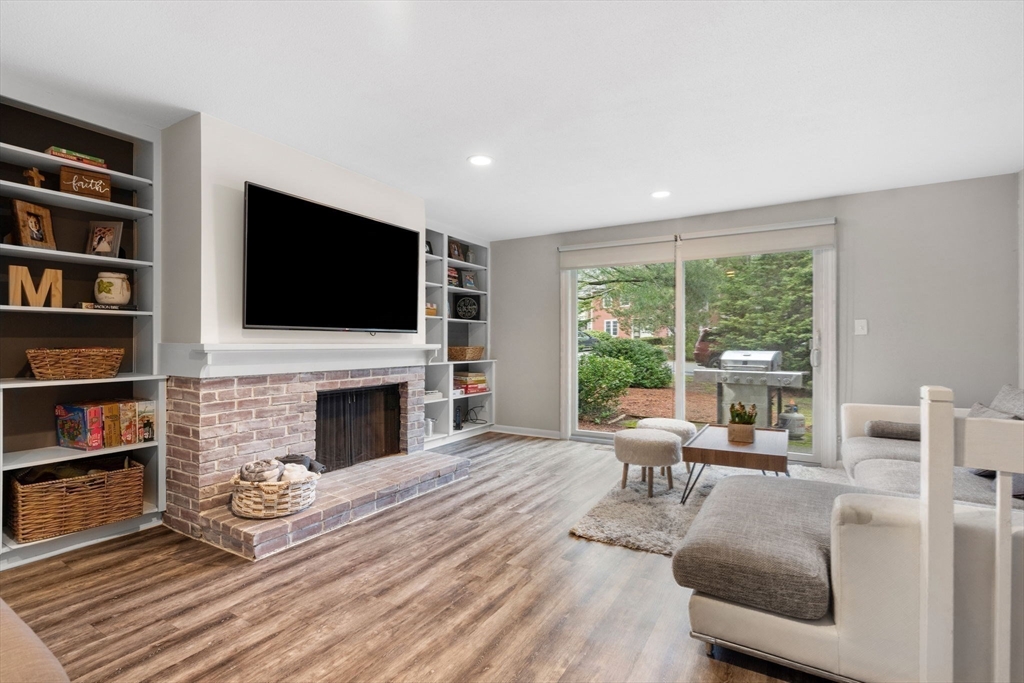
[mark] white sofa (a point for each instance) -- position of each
(871, 631)
(893, 464)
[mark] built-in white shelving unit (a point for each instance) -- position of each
(27, 424)
(448, 329)
(52, 198)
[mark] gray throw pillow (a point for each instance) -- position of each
(982, 410)
(1010, 400)
(884, 429)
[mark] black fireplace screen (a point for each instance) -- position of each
(357, 425)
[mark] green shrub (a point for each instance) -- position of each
(649, 368)
(602, 382)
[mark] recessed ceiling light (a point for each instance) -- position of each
(480, 160)
(660, 194)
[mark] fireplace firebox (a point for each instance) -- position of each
(356, 425)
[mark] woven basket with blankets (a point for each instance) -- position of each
(272, 488)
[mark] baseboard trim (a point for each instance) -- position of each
(526, 431)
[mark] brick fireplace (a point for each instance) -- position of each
(215, 425)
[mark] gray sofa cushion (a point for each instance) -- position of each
(1009, 400)
(763, 542)
(899, 476)
(860, 448)
(982, 410)
(885, 429)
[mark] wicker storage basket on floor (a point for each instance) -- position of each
(98, 362)
(465, 352)
(267, 499)
(55, 508)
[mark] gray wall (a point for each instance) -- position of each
(932, 268)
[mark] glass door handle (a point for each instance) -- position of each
(815, 358)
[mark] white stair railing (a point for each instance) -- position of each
(973, 442)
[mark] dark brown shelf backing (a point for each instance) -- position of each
(20, 331)
(37, 132)
(78, 279)
(29, 420)
(70, 227)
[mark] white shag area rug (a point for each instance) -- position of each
(627, 517)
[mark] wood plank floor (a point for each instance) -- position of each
(477, 582)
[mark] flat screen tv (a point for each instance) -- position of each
(314, 267)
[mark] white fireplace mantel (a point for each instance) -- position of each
(232, 360)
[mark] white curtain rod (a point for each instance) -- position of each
(724, 232)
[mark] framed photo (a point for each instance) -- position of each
(456, 251)
(430, 248)
(104, 238)
(34, 226)
(468, 278)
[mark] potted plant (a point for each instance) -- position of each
(741, 422)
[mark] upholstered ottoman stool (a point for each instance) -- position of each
(648, 448)
(681, 428)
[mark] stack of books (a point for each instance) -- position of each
(471, 382)
(75, 156)
(93, 425)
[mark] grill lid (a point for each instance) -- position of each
(769, 361)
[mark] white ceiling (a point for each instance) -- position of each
(586, 107)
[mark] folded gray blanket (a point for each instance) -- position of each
(261, 470)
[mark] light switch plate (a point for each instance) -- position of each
(860, 327)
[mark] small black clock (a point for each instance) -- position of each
(467, 307)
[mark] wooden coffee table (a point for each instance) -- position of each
(710, 446)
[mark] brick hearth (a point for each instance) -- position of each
(342, 497)
(216, 425)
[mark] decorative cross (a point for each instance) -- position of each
(35, 178)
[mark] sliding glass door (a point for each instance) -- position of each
(625, 349)
(749, 333)
(683, 326)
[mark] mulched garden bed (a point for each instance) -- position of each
(701, 402)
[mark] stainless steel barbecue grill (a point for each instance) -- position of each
(750, 377)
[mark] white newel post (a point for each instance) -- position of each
(936, 625)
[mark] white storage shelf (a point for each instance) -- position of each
(15, 251)
(69, 311)
(465, 265)
(440, 373)
(40, 195)
(465, 290)
(28, 158)
(143, 384)
(31, 382)
(51, 454)
(85, 537)
(479, 393)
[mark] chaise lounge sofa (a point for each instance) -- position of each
(826, 578)
(893, 464)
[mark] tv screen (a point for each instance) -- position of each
(314, 267)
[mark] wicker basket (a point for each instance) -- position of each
(465, 352)
(98, 362)
(55, 508)
(267, 499)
